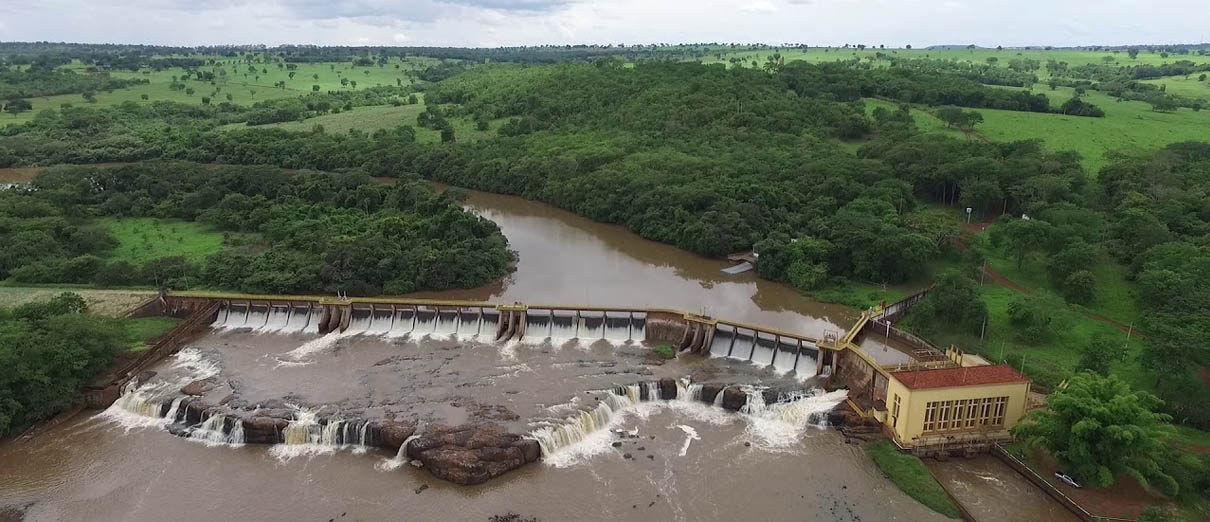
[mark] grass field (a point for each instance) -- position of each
(1047, 363)
(925, 120)
(19, 175)
(907, 472)
(144, 239)
(1128, 127)
(1182, 86)
(111, 303)
(235, 83)
(141, 331)
(1114, 297)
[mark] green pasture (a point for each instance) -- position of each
(1128, 127)
(245, 87)
(1049, 362)
(143, 239)
(1189, 86)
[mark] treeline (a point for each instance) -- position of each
(31, 82)
(318, 103)
(48, 352)
(988, 74)
(318, 232)
(1124, 82)
(1158, 210)
(851, 80)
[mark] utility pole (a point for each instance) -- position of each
(983, 330)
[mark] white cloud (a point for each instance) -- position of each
(529, 22)
(759, 6)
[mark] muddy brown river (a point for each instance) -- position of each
(659, 460)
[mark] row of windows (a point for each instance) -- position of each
(964, 414)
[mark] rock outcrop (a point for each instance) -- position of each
(264, 430)
(471, 453)
(389, 434)
(196, 388)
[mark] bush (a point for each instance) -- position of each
(48, 351)
(1036, 319)
(1080, 287)
(665, 351)
(953, 304)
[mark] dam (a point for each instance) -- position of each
(301, 403)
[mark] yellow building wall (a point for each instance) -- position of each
(913, 402)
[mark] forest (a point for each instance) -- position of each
(292, 232)
(48, 352)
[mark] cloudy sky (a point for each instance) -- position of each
(494, 23)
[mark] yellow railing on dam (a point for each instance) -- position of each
(689, 316)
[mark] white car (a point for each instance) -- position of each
(1067, 479)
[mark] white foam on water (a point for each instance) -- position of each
(401, 456)
(690, 436)
(600, 440)
(195, 363)
(135, 409)
(508, 351)
(304, 354)
(779, 427)
(702, 412)
(211, 432)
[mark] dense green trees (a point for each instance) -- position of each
(1160, 227)
(320, 232)
(953, 304)
(1099, 428)
(44, 81)
(48, 351)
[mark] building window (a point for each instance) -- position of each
(895, 412)
(930, 417)
(961, 414)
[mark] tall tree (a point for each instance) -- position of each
(1099, 428)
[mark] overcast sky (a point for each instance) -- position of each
(491, 23)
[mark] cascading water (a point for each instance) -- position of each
(780, 426)
(692, 392)
(306, 435)
(580, 427)
(401, 456)
(174, 410)
(214, 432)
(718, 397)
(755, 405)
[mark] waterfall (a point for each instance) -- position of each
(214, 432)
(580, 427)
(692, 393)
(755, 405)
(780, 426)
(653, 390)
(174, 409)
(138, 402)
(401, 456)
(299, 431)
(718, 398)
(306, 435)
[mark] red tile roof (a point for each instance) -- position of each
(950, 377)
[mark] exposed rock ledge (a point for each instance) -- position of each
(471, 453)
